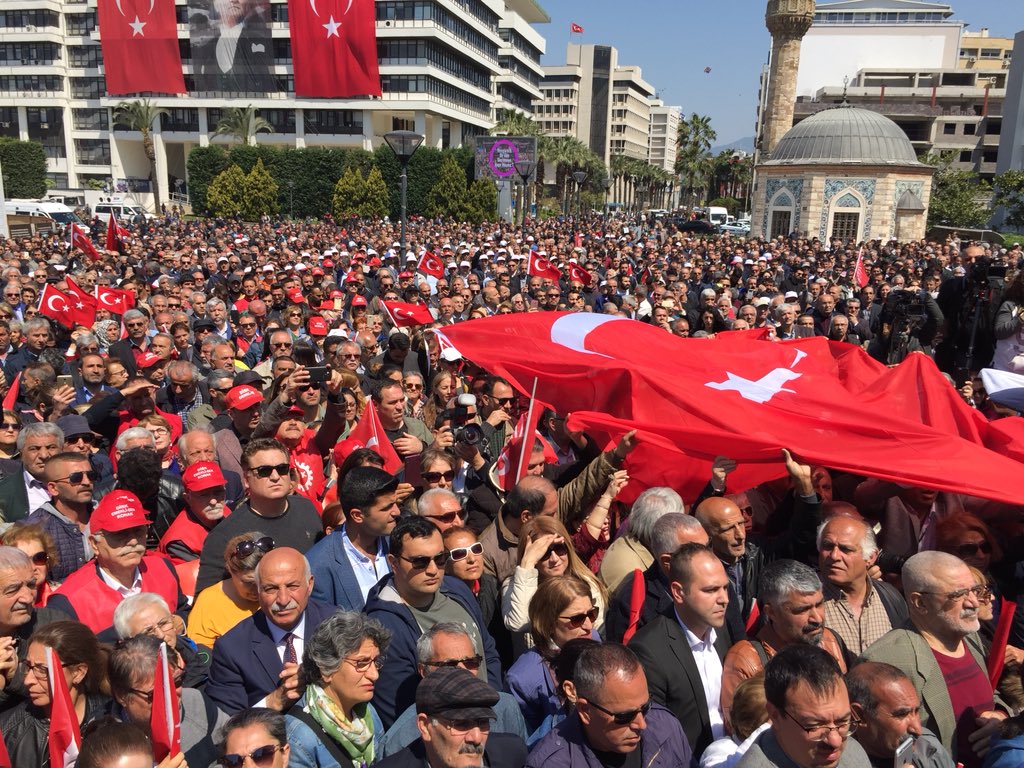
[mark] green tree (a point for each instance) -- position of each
(226, 195)
(693, 154)
(242, 123)
(1009, 193)
(260, 193)
(959, 198)
(448, 197)
(482, 201)
(376, 202)
(349, 194)
(204, 163)
(140, 116)
(731, 204)
(24, 168)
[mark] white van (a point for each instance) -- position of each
(124, 211)
(717, 215)
(58, 212)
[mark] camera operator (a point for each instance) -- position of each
(907, 322)
(967, 342)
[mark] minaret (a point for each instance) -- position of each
(788, 21)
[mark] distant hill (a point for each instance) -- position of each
(746, 144)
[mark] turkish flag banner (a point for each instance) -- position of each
(575, 28)
(539, 266)
(369, 433)
(140, 46)
(81, 241)
(165, 718)
(694, 399)
(114, 299)
(81, 306)
(54, 304)
(334, 48)
(431, 265)
(64, 735)
(860, 275)
(579, 274)
(116, 235)
(407, 315)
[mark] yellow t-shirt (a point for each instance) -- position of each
(215, 612)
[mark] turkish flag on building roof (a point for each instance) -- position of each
(539, 266)
(334, 48)
(140, 46)
(694, 399)
(575, 28)
(405, 315)
(431, 265)
(369, 433)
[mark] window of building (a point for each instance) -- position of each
(90, 119)
(23, 19)
(29, 53)
(781, 224)
(80, 23)
(33, 83)
(846, 226)
(181, 119)
(970, 129)
(59, 180)
(92, 151)
(348, 122)
(966, 156)
(949, 129)
(991, 53)
(283, 120)
(9, 122)
(989, 155)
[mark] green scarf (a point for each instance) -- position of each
(355, 737)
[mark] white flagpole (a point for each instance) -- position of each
(529, 420)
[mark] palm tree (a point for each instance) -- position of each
(243, 123)
(693, 160)
(140, 116)
(514, 123)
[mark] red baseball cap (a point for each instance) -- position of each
(317, 272)
(337, 295)
(118, 511)
(351, 277)
(243, 397)
(358, 301)
(148, 360)
(404, 275)
(295, 296)
(317, 326)
(202, 476)
(328, 264)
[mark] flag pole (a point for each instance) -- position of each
(529, 420)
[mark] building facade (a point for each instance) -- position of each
(446, 67)
(663, 131)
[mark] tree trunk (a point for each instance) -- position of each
(150, 150)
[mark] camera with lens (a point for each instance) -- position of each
(461, 416)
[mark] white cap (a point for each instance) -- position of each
(450, 354)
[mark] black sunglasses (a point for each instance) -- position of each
(461, 553)
(420, 562)
(447, 518)
(87, 439)
(499, 401)
(472, 663)
(76, 478)
(246, 547)
(267, 470)
(622, 718)
(973, 548)
(261, 757)
(40, 558)
(577, 620)
(433, 477)
(560, 549)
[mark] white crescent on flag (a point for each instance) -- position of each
(52, 307)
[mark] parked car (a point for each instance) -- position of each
(735, 229)
(696, 226)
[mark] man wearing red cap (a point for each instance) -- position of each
(151, 367)
(244, 406)
(121, 568)
(205, 494)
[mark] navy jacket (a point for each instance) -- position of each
(334, 581)
(396, 687)
(503, 750)
(246, 665)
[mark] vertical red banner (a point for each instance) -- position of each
(140, 46)
(334, 48)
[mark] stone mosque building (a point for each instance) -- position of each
(844, 172)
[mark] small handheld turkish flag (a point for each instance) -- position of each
(81, 241)
(431, 265)
(860, 275)
(405, 315)
(369, 433)
(114, 299)
(539, 266)
(64, 735)
(579, 274)
(54, 304)
(165, 718)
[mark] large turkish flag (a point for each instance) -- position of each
(334, 48)
(695, 399)
(140, 46)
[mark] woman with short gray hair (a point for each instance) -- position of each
(334, 723)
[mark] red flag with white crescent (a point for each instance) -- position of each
(369, 433)
(860, 275)
(55, 305)
(575, 28)
(165, 718)
(140, 46)
(114, 299)
(116, 235)
(334, 48)
(81, 241)
(511, 465)
(404, 315)
(539, 266)
(579, 274)
(64, 734)
(431, 265)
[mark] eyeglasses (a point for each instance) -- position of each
(280, 344)
(247, 325)
(261, 757)
(159, 430)
(39, 670)
(246, 547)
(622, 718)
(821, 732)
(267, 470)
(500, 401)
(11, 425)
(414, 387)
(472, 663)
(577, 620)
(978, 590)
(433, 477)
(362, 665)
(420, 562)
(163, 625)
(461, 553)
(76, 478)
(970, 548)
(462, 727)
(40, 558)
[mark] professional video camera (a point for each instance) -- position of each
(464, 429)
(902, 316)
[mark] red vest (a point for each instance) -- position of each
(186, 530)
(94, 602)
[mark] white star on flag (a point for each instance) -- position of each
(137, 26)
(79, 305)
(332, 27)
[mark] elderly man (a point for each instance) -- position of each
(682, 654)
(205, 507)
(887, 709)
(441, 507)
(118, 529)
(200, 444)
(184, 391)
(26, 491)
(79, 438)
(857, 608)
(256, 664)
(810, 713)
(633, 551)
(417, 594)
(69, 479)
(793, 609)
(18, 620)
(280, 342)
(613, 717)
(447, 646)
(130, 349)
(148, 614)
(940, 652)
(218, 384)
(455, 710)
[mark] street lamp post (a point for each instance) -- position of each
(579, 176)
(525, 169)
(607, 193)
(404, 144)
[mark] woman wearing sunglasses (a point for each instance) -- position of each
(561, 610)
(9, 430)
(220, 607)
(545, 551)
(38, 545)
(333, 724)
(466, 562)
(255, 738)
(26, 726)
(970, 539)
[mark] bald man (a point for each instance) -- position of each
(256, 664)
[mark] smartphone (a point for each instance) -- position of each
(413, 466)
(319, 374)
(904, 753)
(64, 380)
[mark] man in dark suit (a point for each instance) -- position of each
(25, 491)
(36, 333)
(137, 325)
(256, 664)
(682, 654)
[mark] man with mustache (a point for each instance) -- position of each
(455, 713)
(121, 568)
(256, 664)
(941, 653)
(792, 607)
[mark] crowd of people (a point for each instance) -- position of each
(189, 474)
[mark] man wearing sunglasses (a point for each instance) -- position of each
(418, 594)
(614, 721)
